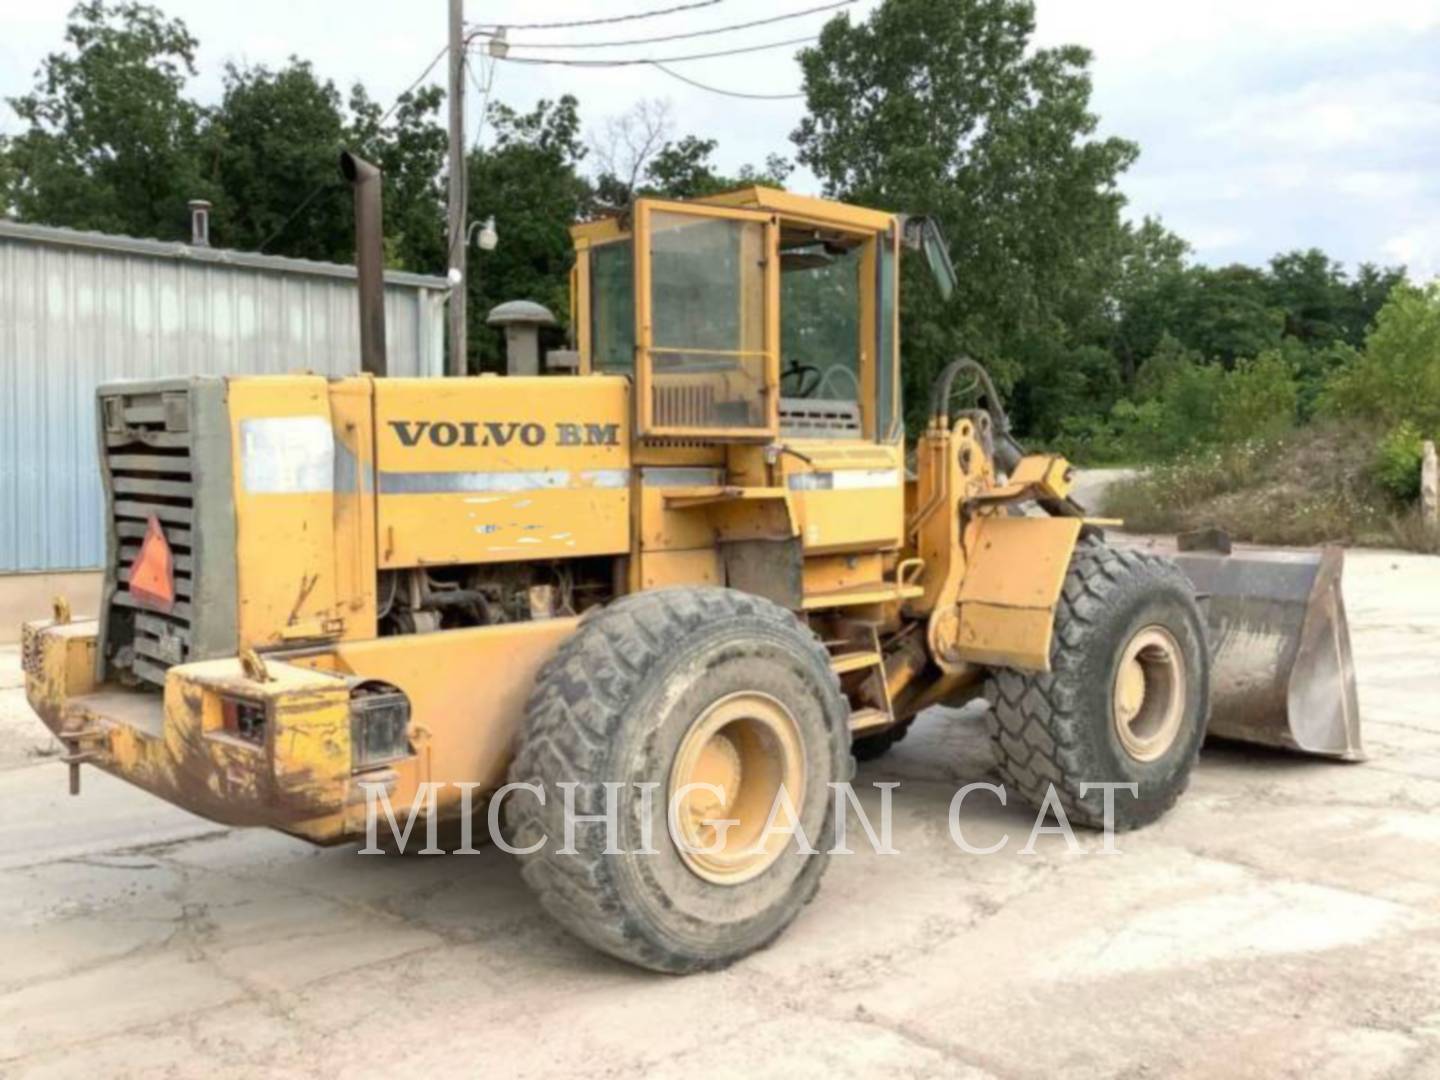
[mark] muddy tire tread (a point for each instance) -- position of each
(1036, 728)
(580, 697)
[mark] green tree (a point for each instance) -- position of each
(528, 179)
(683, 170)
(1168, 359)
(950, 109)
(272, 145)
(1226, 314)
(1368, 293)
(9, 178)
(111, 139)
(1397, 377)
(1322, 306)
(1311, 289)
(1259, 398)
(1147, 293)
(410, 149)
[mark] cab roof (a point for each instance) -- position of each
(803, 208)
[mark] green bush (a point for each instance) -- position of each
(1091, 440)
(1191, 409)
(1188, 407)
(1258, 399)
(1397, 377)
(1398, 459)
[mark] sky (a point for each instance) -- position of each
(1264, 125)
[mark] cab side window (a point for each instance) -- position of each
(820, 324)
(820, 302)
(612, 308)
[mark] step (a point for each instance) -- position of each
(689, 498)
(841, 663)
(879, 592)
(862, 720)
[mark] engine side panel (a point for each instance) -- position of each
(489, 470)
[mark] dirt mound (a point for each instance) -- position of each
(1312, 486)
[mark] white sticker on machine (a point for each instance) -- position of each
(287, 455)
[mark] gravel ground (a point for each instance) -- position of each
(1283, 921)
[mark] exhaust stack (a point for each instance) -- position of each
(364, 180)
(199, 222)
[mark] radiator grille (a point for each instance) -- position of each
(685, 406)
(150, 474)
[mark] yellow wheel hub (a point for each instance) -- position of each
(730, 767)
(1149, 694)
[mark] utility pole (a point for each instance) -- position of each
(455, 209)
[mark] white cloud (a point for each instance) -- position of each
(1418, 248)
(1143, 33)
(1381, 183)
(1216, 241)
(1349, 114)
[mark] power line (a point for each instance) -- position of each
(462, 236)
(484, 98)
(652, 60)
(717, 90)
(677, 37)
(331, 184)
(401, 96)
(603, 22)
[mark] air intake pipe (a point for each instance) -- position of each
(364, 181)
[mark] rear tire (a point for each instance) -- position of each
(637, 695)
(1126, 699)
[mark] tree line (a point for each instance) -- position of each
(1109, 340)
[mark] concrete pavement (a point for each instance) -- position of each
(1283, 921)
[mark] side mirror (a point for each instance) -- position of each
(922, 234)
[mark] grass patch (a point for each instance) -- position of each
(1312, 486)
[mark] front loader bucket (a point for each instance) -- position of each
(1282, 671)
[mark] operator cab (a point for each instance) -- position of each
(755, 315)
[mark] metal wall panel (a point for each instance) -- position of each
(79, 309)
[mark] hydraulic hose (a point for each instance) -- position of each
(945, 385)
(1008, 451)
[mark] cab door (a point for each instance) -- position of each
(846, 475)
(707, 322)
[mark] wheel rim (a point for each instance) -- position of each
(1148, 703)
(747, 745)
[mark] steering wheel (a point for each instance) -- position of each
(829, 393)
(798, 372)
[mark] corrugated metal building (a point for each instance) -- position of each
(79, 308)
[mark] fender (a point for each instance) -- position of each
(1014, 572)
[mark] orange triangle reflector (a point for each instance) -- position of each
(152, 574)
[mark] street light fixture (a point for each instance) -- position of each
(488, 236)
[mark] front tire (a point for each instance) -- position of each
(676, 686)
(1126, 699)
(874, 747)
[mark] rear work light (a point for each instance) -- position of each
(379, 726)
(244, 719)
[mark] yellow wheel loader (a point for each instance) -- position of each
(641, 602)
